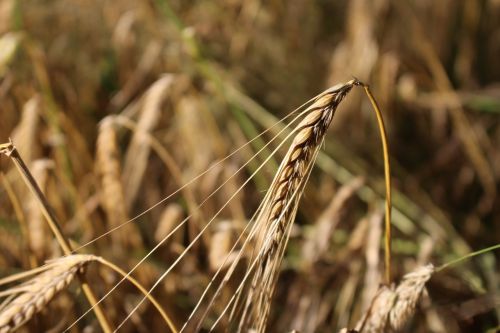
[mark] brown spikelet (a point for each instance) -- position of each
(393, 307)
(112, 197)
(281, 203)
(33, 295)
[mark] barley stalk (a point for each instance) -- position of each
(279, 207)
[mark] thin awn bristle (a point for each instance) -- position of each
(33, 295)
(281, 205)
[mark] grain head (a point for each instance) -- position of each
(32, 296)
(281, 203)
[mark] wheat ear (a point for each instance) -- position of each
(49, 280)
(407, 296)
(280, 206)
(34, 295)
(392, 307)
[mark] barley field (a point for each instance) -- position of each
(250, 166)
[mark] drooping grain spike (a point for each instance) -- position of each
(408, 294)
(392, 307)
(281, 206)
(36, 293)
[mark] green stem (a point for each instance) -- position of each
(468, 256)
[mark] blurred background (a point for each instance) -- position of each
(114, 105)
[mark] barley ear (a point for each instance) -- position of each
(392, 307)
(34, 295)
(408, 294)
(281, 203)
